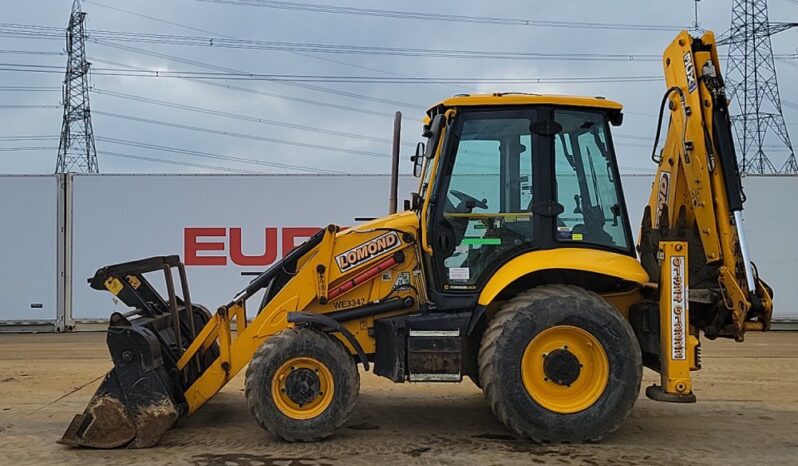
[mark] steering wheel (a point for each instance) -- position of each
(469, 200)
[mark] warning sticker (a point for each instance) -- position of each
(402, 280)
(459, 273)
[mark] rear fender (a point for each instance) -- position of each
(610, 264)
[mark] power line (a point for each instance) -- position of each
(31, 52)
(428, 16)
(242, 135)
(21, 30)
(29, 89)
(26, 148)
(176, 162)
(241, 117)
(249, 44)
(28, 138)
(214, 33)
(233, 71)
(229, 158)
(291, 78)
(42, 107)
(248, 90)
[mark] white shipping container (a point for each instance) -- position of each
(771, 223)
(222, 225)
(28, 245)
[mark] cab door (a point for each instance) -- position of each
(483, 198)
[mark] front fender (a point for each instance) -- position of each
(587, 260)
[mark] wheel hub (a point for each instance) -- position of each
(562, 367)
(302, 386)
(565, 369)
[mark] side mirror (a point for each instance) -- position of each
(414, 201)
(417, 159)
(616, 118)
(434, 135)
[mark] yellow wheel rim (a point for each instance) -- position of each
(568, 390)
(291, 383)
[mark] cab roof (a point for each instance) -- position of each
(515, 98)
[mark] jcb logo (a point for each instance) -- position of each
(689, 69)
(663, 191)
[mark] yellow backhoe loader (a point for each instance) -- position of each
(513, 264)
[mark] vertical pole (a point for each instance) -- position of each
(397, 130)
(60, 272)
(170, 288)
(68, 216)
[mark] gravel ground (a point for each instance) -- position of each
(747, 412)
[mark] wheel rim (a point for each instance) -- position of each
(565, 369)
(302, 388)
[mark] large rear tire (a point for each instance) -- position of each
(302, 385)
(560, 364)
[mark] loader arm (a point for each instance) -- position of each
(697, 196)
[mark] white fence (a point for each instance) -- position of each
(57, 230)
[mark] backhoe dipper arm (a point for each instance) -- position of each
(697, 197)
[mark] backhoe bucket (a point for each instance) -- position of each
(143, 395)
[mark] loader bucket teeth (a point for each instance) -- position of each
(116, 417)
(107, 424)
(104, 424)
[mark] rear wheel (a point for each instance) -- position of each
(302, 385)
(560, 364)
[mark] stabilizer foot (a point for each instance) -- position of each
(656, 393)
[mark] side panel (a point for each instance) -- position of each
(220, 225)
(28, 239)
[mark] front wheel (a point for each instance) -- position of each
(560, 364)
(302, 385)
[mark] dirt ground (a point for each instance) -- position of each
(747, 413)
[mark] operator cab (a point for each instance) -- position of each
(505, 174)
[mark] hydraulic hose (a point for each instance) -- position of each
(654, 157)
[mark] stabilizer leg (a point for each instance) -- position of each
(678, 345)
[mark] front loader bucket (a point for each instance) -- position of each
(135, 404)
(143, 395)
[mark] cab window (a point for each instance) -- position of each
(587, 187)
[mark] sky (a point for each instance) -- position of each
(287, 127)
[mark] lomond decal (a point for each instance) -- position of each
(367, 251)
(678, 309)
(689, 69)
(663, 191)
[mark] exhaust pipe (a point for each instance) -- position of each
(397, 130)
